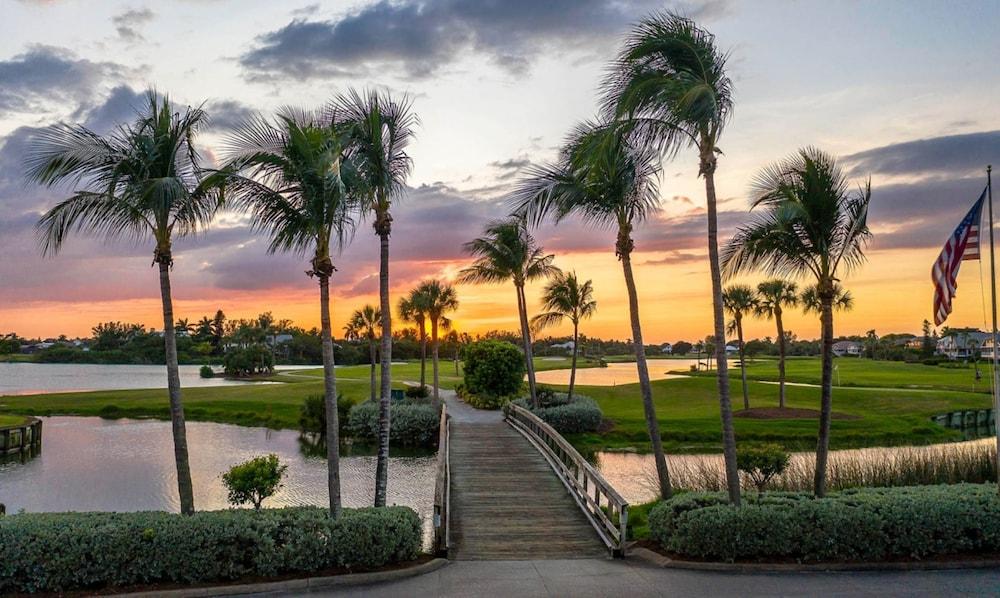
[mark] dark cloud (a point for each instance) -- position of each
(129, 24)
(50, 76)
(416, 38)
(227, 114)
(950, 156)
(510, 167)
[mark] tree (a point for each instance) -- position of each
(254, 480)
(565, 297)
(365, 324)
(872, 341)
(379, 130)
(218, 329)
(810, 224)
(740, 300)
(412, 310)
(505, 252)
(762, 463)
(682, 348)
(437, 299)
(669, 83)
(607, 180)
(292, 175)
(143, 181)
(926, 340)
(811, 303)
(774, 296)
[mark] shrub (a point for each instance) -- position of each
(206, 371)
(412, 424)
(57, 552)
(483, 401)
(494, 368)
(312, 416)
(761, 463)
(253, 360)
(417, 392)
(254, 480)
(859, 524)
(568, 417)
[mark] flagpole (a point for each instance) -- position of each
(993, 295)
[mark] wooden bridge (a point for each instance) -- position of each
(510, 487)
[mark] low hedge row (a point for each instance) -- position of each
(861, 524)
(482, 400)
(55, 552)
(568, 417)
(413, 424)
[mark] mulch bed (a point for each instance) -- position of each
(787, 413)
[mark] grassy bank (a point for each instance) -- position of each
(10, 420)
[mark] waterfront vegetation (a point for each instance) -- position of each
(11, 420)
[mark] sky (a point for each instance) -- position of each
(905, 93)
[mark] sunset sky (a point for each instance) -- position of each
(905, 92)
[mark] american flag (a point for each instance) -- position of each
(962, 245)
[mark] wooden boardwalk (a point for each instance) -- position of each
(506, 501)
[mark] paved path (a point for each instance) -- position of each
(602, 577)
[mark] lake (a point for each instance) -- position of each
(38, 378)
(617, 373)
(93, 464)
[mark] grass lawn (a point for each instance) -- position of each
(10, 420)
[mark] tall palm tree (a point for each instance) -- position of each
(609, 182)
(811, 224)
(566, 298)
(739, 301)
(293, 175)
(365, 324)
(842, 299)
(506, 251)
(412, 310)
(144, 181)
(774, 296)
(438, 298)
(670, 84)
(380, 128)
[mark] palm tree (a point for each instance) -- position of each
(565, 297)
(142, 182)
(438, 299)
(610, 183)
(365, 323)
(505, 252)
(811, 224)
(670, 84)
(411, 310)
(842, 299)
(775, 295)
(379, 128)
(293, 175)
(739, 301)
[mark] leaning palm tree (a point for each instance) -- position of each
(774, 296)
(438, 299)
(142, 182)
(739, 301)
(811, 224)
(379, 129)
(669, 83)
(610, 183)
(411, 310)
(842, 299)
(508, 252)
(365, 324)
(293, 175)
(566, 298)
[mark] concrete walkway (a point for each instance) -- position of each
(601, 577)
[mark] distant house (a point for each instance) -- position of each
(961, 345)
(567, 346)
(732, 348)
(986, 351)
(667, 348)
(278, 339)
(848, 348)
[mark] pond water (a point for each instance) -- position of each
(617, 373)
(92, 464)
(38, 378)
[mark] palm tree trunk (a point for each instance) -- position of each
(743, 363)
(185, 488)
(423, 355)
(781, 357)
(330, 398)
(385, 398)
(722, 367)
(826, 399)
(572, 370)
(373, 358)
(652, 424)
(434, 353)
(522, 308)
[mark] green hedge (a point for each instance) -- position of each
(413, 424)
(861, 524)
(568, 417)
(483, 400)
(55, 552)
(493, 368)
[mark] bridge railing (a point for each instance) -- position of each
(603, 506)
(442, 486)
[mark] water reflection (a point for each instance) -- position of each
(618, 373)
(92, 464)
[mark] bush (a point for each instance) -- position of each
(483, 401)
(253, 360)
(568, 417)
(494, 368)
(412, 424)
(57, 552)
(206, 371)
(417, 392)
(312, 415)
(859, 524)
(761, 463)
(254, 480)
